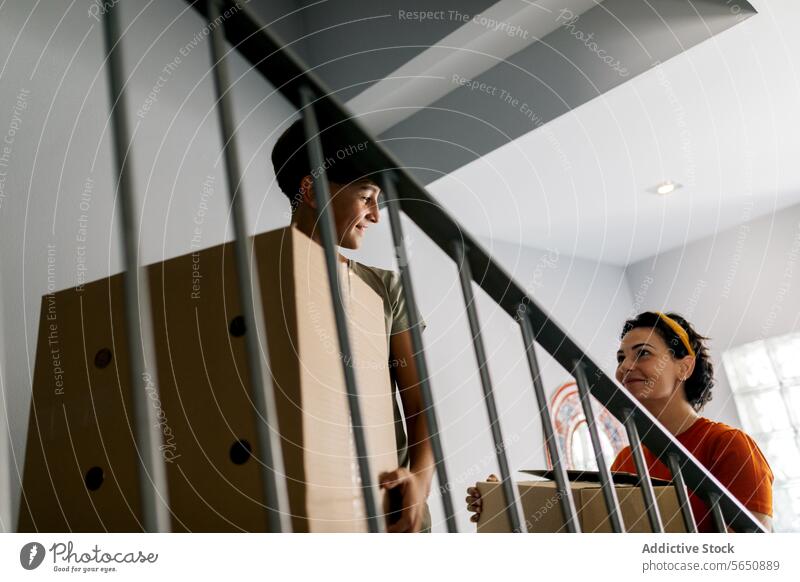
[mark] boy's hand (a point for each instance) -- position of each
(474, 501)
(413, 495)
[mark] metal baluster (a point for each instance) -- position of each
(328, 238)
(683, 495)
(562, 483)
(273, 480)
(606, 484)
(390, 193)
(651, 505)
(716, 513)
(512, 503)
(152, 473)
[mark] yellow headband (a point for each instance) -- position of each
(680, 332)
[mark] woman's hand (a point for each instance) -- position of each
(474, 501)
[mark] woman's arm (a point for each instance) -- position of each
(741, 466)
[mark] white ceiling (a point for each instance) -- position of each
(722, 119)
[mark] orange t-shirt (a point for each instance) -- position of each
(729, 454)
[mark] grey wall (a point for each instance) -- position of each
(553, 76)
(589, 299)
(58, 178)
(352, 45)
(60, 157)
(736, 287)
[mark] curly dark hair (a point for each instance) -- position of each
(698, 386)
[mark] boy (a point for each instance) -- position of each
(354, 204)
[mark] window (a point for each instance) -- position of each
(765, 380)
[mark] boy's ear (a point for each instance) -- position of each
(307, 191)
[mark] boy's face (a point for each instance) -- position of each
(355, 209)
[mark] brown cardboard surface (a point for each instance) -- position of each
(312, 399)
(542, 508)
(79, 418)
(594, 515)
(204, 383)
(204, 406)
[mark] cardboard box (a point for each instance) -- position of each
(542, 508)
(80, 469)
(318, 446)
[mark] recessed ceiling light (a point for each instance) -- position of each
(667, 187)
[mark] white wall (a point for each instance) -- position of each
(587, 299)
(175, 150)
(6, 522)
(61, 155)
(63, 141)
(737, 287)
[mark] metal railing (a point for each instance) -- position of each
(319, 108)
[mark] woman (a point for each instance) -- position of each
(665, 364)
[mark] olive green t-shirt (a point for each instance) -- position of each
(388, 286)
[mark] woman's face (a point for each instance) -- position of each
(647, 368)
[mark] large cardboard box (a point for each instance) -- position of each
(543, 514)
(80, 466)
(318, 447)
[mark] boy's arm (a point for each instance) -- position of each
(414, 483)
